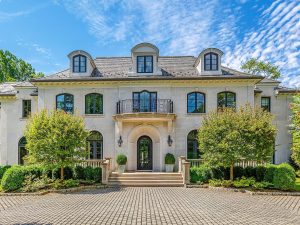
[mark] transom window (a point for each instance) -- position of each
(145, 64)
(196, 102)
(266, 103)
(79, 64)
(95, 145)
(226, 100)
(144, 101)
(65, 102)
(22, 150)
(211, 61)
(193, 151)
(94, 103)
(26, 108)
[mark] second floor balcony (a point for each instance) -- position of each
(152, 106)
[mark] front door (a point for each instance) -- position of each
(144, 153)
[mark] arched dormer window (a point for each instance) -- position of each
(196, 102)
(65, 102)
(211, 61)
(94, 103)
(226, 99)
(79, 64)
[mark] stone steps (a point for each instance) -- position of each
(146, 179)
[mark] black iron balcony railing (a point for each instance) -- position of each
(145, 106)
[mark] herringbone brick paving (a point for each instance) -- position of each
(145, 205)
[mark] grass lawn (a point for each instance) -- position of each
(297, 188)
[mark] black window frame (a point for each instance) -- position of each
(194, 140)
(64, 109)
(94, 111)
(226, 97)
(26, 108)
(137, 63)
(90, 140)
(210, 62)
(269, 101)
(187, 101)
(79, 66)
(22, 147)
(152, 109)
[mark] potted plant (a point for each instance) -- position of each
(169, 161)
(121, 160)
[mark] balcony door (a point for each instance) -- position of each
(144, 101)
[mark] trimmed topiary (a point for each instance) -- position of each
(269, 174)
(169, 159)
(284, 177)
(121, 159)
(13, 178)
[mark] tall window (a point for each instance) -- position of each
(22, 150)
(196, 102)
(226, 100)
(79, 64)
(93, 103)
(266, 103)
(65, 102)
(95, 145)
(211, 61)
(26, 108)
(144, 101)
(193, 151)
(145, 64)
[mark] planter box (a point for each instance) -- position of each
(169, 168)
(121, 168)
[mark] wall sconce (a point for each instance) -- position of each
(170, 141)
(120, 141)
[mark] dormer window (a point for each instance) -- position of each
(210, 61)
(145, 64)
(79, 64)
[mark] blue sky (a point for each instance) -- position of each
(44, 32)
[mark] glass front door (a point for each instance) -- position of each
(144, 153)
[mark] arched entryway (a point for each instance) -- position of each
(144, 153)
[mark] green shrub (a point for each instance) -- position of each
(68, 173)
(250, 171)
(13, 178)
(269, 174)
(284, 177)
(220, 172)
(200, 174)
(227, 183)
(97, 175)
(32, 183)
(238, 172)
(244, 182)
(71, 183)
(215, 182)
(298, 173)
(121, 159)
(260, 173)
(88, 173)
(169, 159)
(79, 173)
(262, 185)
(2, 170)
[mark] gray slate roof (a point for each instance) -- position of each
(8, 88)
(172, 67)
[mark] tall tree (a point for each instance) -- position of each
(258, 67)
(15, 69)
(231, 135)
(55, 139)
(296, 129)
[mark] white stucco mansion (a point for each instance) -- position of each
(144, 105)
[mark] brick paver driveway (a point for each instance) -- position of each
(150, 206)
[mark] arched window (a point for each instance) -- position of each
(22, 150)
(193, 151)
(93, 103)
(95, 145)
(65, 102)
(196, 102)
(79, 64)
(144, 101)
(226, 99)
(210, 61)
